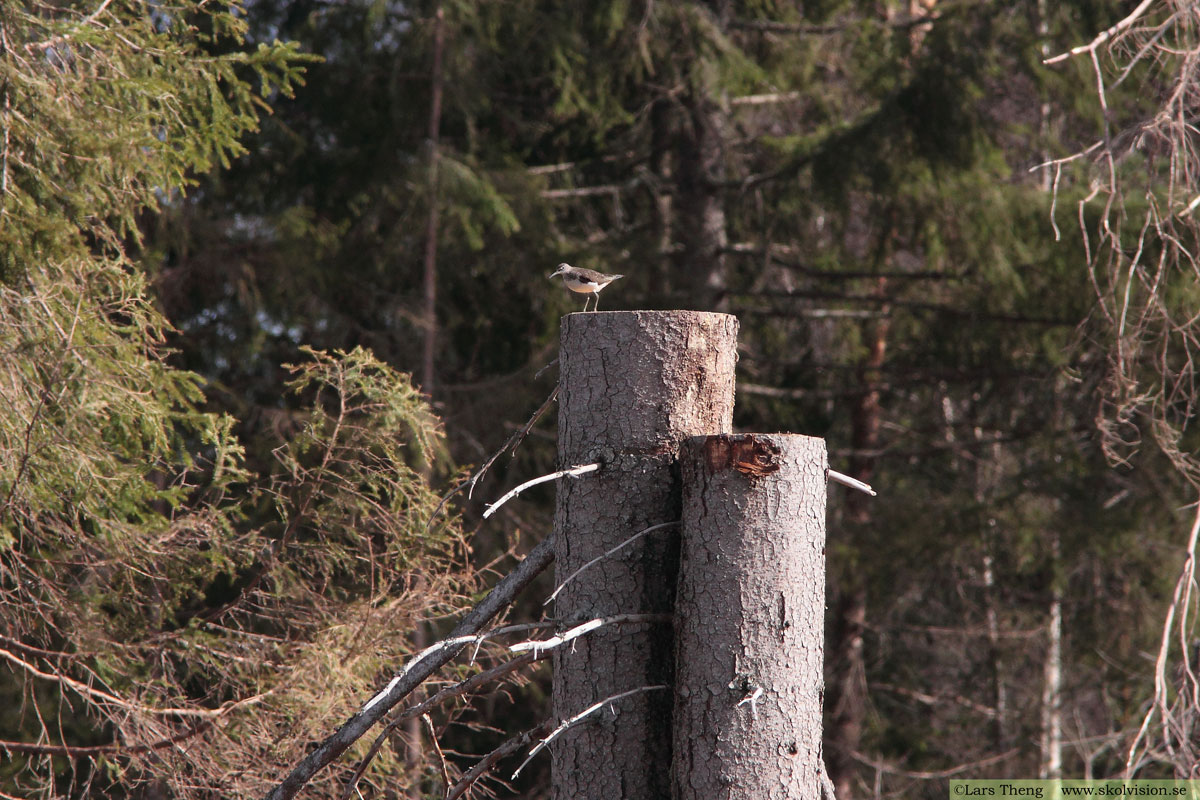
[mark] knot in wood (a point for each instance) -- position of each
(745, 452)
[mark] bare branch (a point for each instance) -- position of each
(768, 26)
(509, 747)
(530, 652)
(572, 472)
(575, 720)
(846, 480)
(938, 700)
(939, 774)
(628, 541)
(101, 697)
(1180, 604)
(764, 99)
(72, 751)
(513, 442)
(1091, 46)
(582, 191)
(438, 749)
(539, 646)
(462, 687)
(354, 728)
(549, 169)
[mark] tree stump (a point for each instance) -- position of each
(633, 386)
(749, 618)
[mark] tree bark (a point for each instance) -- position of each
(634, 385)
(663, 141)
(848, 669)
(429, 272)
(702, 226)
(414, 749)
(1052, 722)
(749, 618)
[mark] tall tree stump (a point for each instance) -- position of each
(633, 386)
(749, 618)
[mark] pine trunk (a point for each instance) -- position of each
(702, 224)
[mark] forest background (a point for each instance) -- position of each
(230, 233)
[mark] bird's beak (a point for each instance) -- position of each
(556, 272)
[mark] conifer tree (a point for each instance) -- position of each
(850, 179)
(171, 623)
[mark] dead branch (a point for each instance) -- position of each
(846, 480)
(540, 646)
(438, 749)
(413, 676)
(939, 774)
(72, 751)
(764, 99)
(628, 541)
(513, 442)
(1179, 605)
(1091, 46)
(100, 697)
(583, 191)
(509, 747)
(460, 688)
(532, 651)
(769, 26)
(572, 472)
(582, 715)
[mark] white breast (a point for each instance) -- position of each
(581, 285)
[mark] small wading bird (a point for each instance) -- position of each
(584, 281)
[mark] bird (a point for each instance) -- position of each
(584, 281)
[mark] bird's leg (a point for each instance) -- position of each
(596, 306)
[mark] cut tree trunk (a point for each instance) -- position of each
(749, 618)
(633, 386)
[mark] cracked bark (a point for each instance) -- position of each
(749, 618)
(634, 385)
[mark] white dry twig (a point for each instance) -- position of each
(456, 641)
(752, 701)
(538, 646)
(575, 720)
(605, 555)
(853, 483)
(1179, 604)
(1091, 46)
(568, 473)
